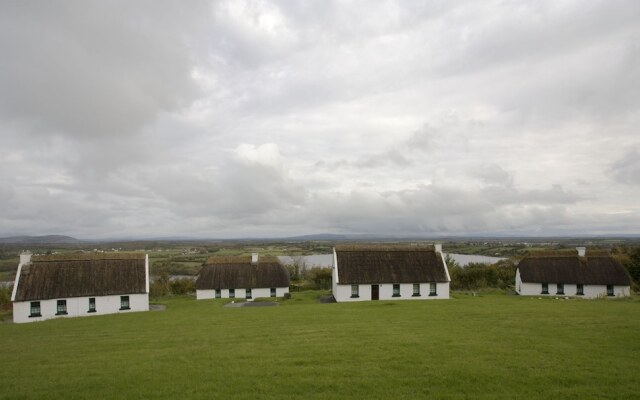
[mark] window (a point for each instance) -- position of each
(273, 292)
(248, 296)
(218, 294)
(396, 290)
(232, 293)
(355, 291)
(124, 303)
(433, 289)
(610, 290)
(579, 289)
(61, 308)
(560, 288)
(416, 290)
(34, 309)
(92, 304)
(545, 288)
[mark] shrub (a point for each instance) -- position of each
(182, 286)
(5, 296)
(500, 275)
(321, 278)
(160, 286)
(163, 285)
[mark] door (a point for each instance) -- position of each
(375, 292)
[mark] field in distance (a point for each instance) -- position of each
(488, 346)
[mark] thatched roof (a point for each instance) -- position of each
(596, 268)
(57, 276)
(88, 256)
(389, 264)
(567, 252)
(239, 272)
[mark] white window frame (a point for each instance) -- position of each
(433, 289)
(61, 307)
(125, 303)
(92, 304)
(34, 309)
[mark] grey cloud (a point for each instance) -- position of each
(627, 169)
(554, 195)
(393, 117)
(526, 32)
(393, 157)
(438, 209)
(91, 68)
(493, 174)
(424, 139)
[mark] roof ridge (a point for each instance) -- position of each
(59, 257)
(246, 259)
(383, 247)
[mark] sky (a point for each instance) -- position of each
(231, 119)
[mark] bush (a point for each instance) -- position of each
(182, 286)
(5, 296)
(500, 275)
(160, 285)
(321, 278)
(630, 260)
(163, 285)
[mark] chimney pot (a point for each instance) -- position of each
(254, 258)
(438, 247)
(581, 251)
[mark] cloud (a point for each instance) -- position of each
(243, 118)
(493, 174)
(90, 69)
(627, 169)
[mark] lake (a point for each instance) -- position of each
(326, 260)
(314, 260)
(464, 259)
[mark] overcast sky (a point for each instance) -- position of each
(251, 118)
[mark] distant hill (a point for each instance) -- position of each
(47, 239)
(330, 237)
(318, 236)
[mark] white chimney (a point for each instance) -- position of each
(254, 258)
(25, 257)
(438, 247)
(581, 251)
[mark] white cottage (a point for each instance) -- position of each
(580, 273)
(244, 277)
(84, 284)
(389, 272)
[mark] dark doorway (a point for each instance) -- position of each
(375, 292)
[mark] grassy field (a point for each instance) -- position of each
(491, 346)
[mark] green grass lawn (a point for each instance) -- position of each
(491, 346)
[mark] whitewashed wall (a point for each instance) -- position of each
(342, 293)
(334, 275)
(590, 291)
(79, 307)
(241, 293)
